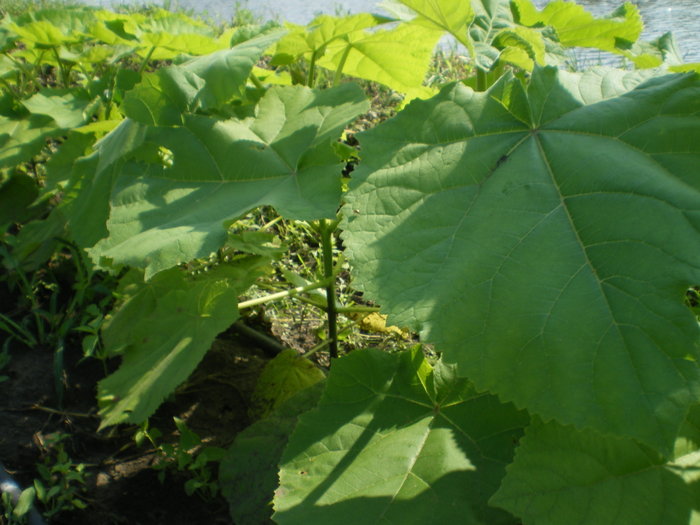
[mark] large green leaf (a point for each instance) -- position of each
(355, 45)
(577, 27)
(544, 240)
(22, 138)
(248, 471)
(161, 98)
(398, 57)
(69, 108)
(226, 72)
(163, 331)
(453, 16)
(53, 111)
(395, 441)
(561, 475)
(92, 179)
(208, 171)
(160, 35)
(305, 41)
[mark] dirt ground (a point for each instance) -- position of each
(122, 488)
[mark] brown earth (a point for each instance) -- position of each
(122, 486)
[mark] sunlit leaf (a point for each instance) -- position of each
(395, 441)
(69, 108)
(211, 171)
(577, 27)
(543, 239)
(452, 16)
(163, 331)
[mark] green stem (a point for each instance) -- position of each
(480, 79)
(62, 69)
(145, 60)
(256, 81)
(281, 295)
(271, 346)
(341, 65)
(312, 71)
(327, 228)
(110, 96)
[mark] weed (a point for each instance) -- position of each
(189, 455)
(62, 482)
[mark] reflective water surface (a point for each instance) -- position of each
(660, 16)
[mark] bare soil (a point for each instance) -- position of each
(122, 486)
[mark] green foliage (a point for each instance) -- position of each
(248, 471)
(188, 455)
(62, 483)
(284, 376)
(387, 428)
(222, 169)
(560, 475)
(540, 228)
(163, 331)
(522, 211)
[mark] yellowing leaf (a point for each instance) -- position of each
(284, 376)
(376, 322)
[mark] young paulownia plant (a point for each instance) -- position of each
(540, 228)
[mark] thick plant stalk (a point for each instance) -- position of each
(327, 228)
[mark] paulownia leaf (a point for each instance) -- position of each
(544, 240)
(398, 57)
(395, 441)
(561, 475)
(216, 170)
(72, 22)
(453, 16)
(92, 178)
(248, 471)
(53, 112)
(577, 27)
(226, 72)
(282, 377)
(161, 98)
(69, 108)
(304, 41)
(163, 331)
(498, 39)
(162, 35)
(22, 138)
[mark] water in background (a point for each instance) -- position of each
(660, 16)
